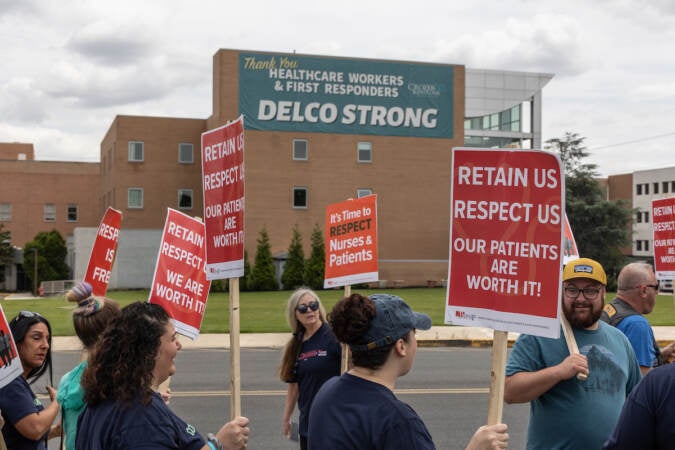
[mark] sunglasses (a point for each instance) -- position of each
(302, 309)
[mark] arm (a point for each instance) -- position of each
(289, 406)
(34, 426)
(526, 386)
(668, 352)
(489, 437)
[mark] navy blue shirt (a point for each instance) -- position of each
(351, 413)
(110, 425)
(17, 400)
(318, 361)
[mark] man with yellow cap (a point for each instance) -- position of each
(565, 412)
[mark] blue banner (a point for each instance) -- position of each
(349, 96)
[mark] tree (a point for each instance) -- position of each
(245, 281)
(315, 266)
(262, 275)
(601, 227)
(294, 269)
(6, 250)
(51, 252)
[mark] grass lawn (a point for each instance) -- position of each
(264, 312)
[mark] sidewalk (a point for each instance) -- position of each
(437, 336)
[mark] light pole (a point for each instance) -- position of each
(35, 272)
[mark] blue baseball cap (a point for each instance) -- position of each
(393, 320)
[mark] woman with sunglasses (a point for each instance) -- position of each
(310, 357)
(28, 424)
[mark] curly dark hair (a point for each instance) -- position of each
(350, 320)
(120, 367)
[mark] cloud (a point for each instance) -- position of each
(543, 43)
(112, 44)
(21, 102)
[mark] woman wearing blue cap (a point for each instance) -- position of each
(359, 410)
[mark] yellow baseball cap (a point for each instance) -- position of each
(585, 268)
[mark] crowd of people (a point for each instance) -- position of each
(111, 399)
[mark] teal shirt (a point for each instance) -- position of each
(71, 398)
(575, 414)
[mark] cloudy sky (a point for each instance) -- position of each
(68, 67)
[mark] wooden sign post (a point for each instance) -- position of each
(235, 370)
(497, 377)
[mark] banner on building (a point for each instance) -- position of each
(506, 240)
(663, 224)
(351, 242)
(103, 252)
(317, 94)
(179, 284)
(10, 364)
(223, 184)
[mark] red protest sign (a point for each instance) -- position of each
(103, 252)
(351, 242)
(570, 250)
(663, 225)
(10, 364)
(223, 185)
(179, 284)
(506, 240)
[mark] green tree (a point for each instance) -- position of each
(601, 227)
(6, 250)
(262, 275)
(294, 269)
(246, 279)
(315, 266)
(51, 252)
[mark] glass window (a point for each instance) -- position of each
(646, 245)
(185, 198)
(638, 187)
(300, 150)
(300, 197)
(135, 151)
(638, 245)
(672, 186)
(135, 198)
(656, 188)
(639, 217)
(363, 192)
(49, 212)
(364, 152)
(646, 188)
(5, 212)
(646, 216)
(185, 153)
(71, 213)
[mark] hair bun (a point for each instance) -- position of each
(79, 292)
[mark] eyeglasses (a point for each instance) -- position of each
(302, 309)
(26, 315)
(653, 286)
(589, 293)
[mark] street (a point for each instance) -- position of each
(448, 387)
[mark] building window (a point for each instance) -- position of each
(71, 213)
(638, 217)
(185, 153)
(638, 188)
(638, 245)
(646, 188)
(365, 152)
(672, 186)
(5, 212)
(363, 192)
(656, 188)
(300, 195)
(300, 150)
(646, 245)
(664, 185)
(135, 151)
(646, 218)
(185, 198)
(135, 198)
(49, 212)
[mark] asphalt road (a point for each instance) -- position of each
(448, 387)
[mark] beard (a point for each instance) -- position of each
(582, 318)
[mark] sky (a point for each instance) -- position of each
(69, 67)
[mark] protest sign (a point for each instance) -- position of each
(223, 185)
(103, 252)
(10, 364)
(663, 223)
(179, 284)
(506, 240)
(351, 242)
